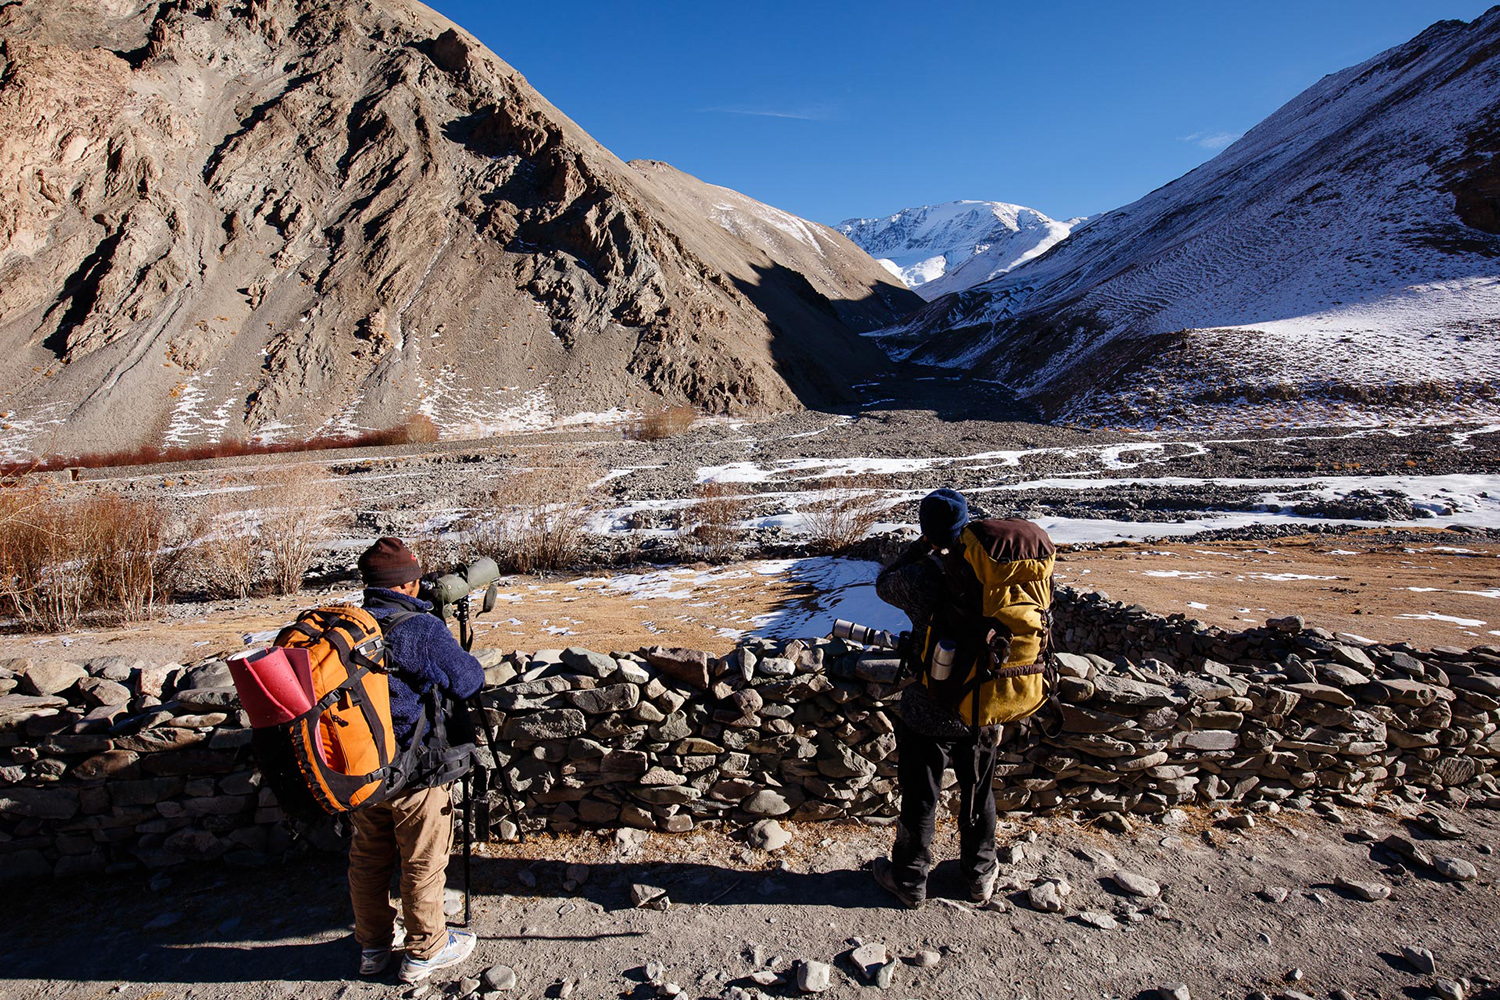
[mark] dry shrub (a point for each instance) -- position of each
(838, 521)
(435, 553)
(300, 508)
(539, 517)
(418, 429)
(129, 563)
(666, 422)
(225, 552)
(709, 526)
(64, 557)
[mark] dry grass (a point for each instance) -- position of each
(666, 422)
(709, 526)
(538, 517)
(842, 519)
(65, 557)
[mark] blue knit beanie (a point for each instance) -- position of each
(942, 515)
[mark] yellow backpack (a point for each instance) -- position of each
(998, 620)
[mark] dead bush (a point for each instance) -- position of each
(709, 525)
(538, 518)
(666, 422)
(842, 518)
(435, 553)
(418, 429)
(129, 561)
(66, 557)
(225, 553)
(300, 507)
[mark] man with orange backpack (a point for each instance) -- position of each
(979, 595)
(414, 826)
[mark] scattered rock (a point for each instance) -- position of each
(1177, 991)
(769, 835)
(1370, 892)
(814, 976)
(1136, 885)
(868, 958)
(649, 897)
(1448, 989)
(1420, 959)
(1096, 919)
(1047, 896)
(1456, 869)
(1437, 826)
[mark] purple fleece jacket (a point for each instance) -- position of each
(421, 654)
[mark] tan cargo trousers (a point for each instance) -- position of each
(413, 828)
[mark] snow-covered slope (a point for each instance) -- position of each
(937, 249)
(1341, 260)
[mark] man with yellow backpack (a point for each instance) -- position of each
(979, 595)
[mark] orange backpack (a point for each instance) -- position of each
(344, 747)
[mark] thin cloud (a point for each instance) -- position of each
(1212, 140)
(817, 113)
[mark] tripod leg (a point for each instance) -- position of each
(468, 842)
(481, 723)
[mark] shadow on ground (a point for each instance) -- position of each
(217, 925)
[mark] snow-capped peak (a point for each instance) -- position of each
(937, 249)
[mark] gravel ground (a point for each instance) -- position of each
(1220, 925)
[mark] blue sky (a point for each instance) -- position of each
(839, 109)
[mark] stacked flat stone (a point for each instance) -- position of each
(118, 763)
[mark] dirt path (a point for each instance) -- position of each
(216, 932)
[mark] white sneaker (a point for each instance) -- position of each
(373, 961)
(459, 947)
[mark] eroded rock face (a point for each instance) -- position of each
(306, 215)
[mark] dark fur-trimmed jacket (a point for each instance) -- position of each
(421, 654)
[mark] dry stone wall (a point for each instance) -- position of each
(117, 763)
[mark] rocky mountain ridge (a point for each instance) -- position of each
(938, 249)
(1338, 262)
(299, 217)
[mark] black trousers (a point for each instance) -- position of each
(919, 772)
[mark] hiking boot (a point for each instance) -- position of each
(459, 947)
(373, 961)
(886, 879)
(981, 889)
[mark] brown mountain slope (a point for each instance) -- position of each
(291, 217)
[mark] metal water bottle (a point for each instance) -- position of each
(942, 659)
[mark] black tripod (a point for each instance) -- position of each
(479, 720)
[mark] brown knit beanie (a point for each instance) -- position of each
(388, 563)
